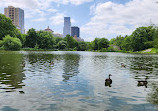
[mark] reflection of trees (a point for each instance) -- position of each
(144, 67)
(153, 95)
(71, 65)
(11, 70)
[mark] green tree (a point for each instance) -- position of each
(6, 27)
(140, 36)
(95, 44)
(11, 43)
(22, 37)
(58, 39)
(103, 43)
(45, 40)
(155, 36)
(31, 38)
(62, 44)
(82, 46)
(89, 46)
(126, 44)
(71, 42)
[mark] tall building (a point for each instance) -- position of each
(17, 17)
(67, 26)
(75, 31)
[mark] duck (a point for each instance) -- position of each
(123, 65)
(108, 81)
(140, 66)
(51, 63)
(22, 64)
(21, 92)
(143, 83)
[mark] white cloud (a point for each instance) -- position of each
(32, 7)
(58, 19)
(74, 2)
(52, 10)
(118, 19)
(39, 20)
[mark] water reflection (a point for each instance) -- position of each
(11, 71)
(71, 65)
(152, 97)
(78, 78)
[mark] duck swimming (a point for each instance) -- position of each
(51, 63)
(123, 65)
(143, 83)
(108, 81)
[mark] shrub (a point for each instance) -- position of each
(10, 43)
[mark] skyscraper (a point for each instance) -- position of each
(67, 26)
(17, 17)
(75, 31)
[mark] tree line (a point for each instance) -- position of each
(11, 39)
(142, 38)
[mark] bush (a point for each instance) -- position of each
(10, 43)
(111, 49)
(1, 43)
(103, 50)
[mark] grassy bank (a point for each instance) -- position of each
(150, 51)
(147, 51)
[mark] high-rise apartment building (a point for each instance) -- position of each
(75, 31)
(17, 17)
(67, 26)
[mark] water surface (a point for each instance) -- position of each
(75, 81)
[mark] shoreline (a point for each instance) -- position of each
(151, 51)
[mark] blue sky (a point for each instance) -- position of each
(96, 18)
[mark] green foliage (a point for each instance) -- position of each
(89, 46)
(31, 38)
(11, 43)
(103, 50)
(6, 27)
(103, 43)
(111, 49)
(82, 46)
(1, 43)
(62, 44)
(100, 43)
(126, 44)
(58, 39)
(22, 38)
(95, 44)
(36, 46)
(71, 42)
(45, 40)
(140, 36)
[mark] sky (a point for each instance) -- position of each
(96, 18)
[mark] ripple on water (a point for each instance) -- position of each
(76, 81)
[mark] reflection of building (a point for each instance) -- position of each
(17, 17)
(75, 31)
(67, 26)
(49, 30)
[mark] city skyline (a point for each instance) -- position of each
(101, 18)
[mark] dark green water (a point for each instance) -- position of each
(76, 81)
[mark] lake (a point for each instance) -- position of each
(75, 81)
